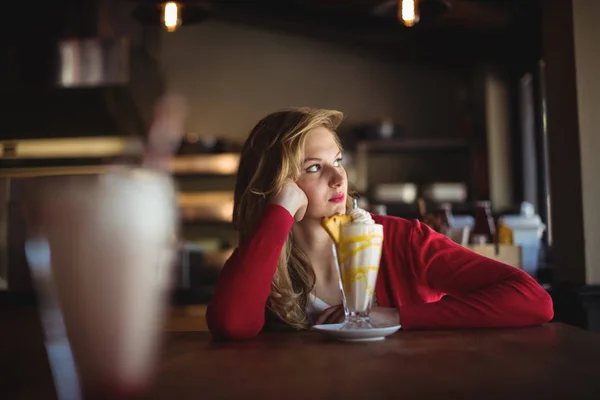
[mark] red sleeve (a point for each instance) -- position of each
(481, 292)
(237, 307)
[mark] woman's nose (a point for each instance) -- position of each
(337, 177)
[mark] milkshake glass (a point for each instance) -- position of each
(358, 254)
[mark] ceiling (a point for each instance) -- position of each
(449, 29)
(459, 14)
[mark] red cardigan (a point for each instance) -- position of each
(434, 282)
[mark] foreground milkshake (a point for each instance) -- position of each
(358, 248)
(104, 245)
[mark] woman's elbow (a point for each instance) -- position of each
(535, 304)
(232, 332)
(541, 308)
(545, 307)
(227, 327)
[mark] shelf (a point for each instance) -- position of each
(31, 172)
(79, 147)
(202, 199)
(212, 206)
(367, 147)
(205, 164)
(225, 164)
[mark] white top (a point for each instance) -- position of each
(315, 307)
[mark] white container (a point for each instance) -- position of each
(460, 221)
(527, 229)
(442, 192)
(460, 228)
(396, 192)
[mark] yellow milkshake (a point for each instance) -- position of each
(357, 241)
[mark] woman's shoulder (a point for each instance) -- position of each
(392, 221)
(413, 231)
(395, 226)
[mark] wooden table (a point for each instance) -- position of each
(551, 361)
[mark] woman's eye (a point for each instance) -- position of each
(313, 168)
(337, 162)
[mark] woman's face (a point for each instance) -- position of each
(323, 178)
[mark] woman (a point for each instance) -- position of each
(291, 176)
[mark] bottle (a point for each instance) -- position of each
(444, 216)
(484, 230)
(505, 234)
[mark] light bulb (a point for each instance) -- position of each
(171, 15)
(408, 12)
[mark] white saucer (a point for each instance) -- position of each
(356, 335)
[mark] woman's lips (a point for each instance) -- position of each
(338, 198)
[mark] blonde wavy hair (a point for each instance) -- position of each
(272, 156)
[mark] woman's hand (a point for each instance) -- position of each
(382, 316)
(332, 315)
(293, 199)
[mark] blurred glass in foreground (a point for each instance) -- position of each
(100, 249)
